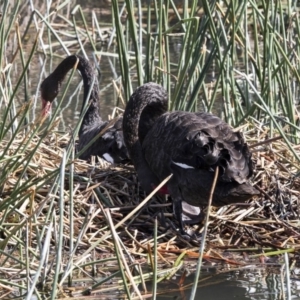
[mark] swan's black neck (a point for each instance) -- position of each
(145, 105)
(89, 77)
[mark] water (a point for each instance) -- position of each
(251, 283)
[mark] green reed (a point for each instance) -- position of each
(216, 41)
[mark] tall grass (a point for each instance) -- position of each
(237, 59)
(235, 56)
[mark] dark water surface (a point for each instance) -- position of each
(244, 284)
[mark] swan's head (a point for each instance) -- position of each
(49, 90)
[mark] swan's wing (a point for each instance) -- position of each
(110, 145)
(197, 141)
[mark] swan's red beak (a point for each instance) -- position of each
(46, 107)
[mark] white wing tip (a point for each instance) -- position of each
(108, 158)
(184, 166)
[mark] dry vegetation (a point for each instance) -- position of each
(103, 195)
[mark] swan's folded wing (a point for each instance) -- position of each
(200, 141)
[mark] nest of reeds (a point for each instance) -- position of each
(95, 216)
(101, 191)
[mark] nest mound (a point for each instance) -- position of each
(96, 204)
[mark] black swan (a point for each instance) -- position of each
(110, 145)
(188, 145)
